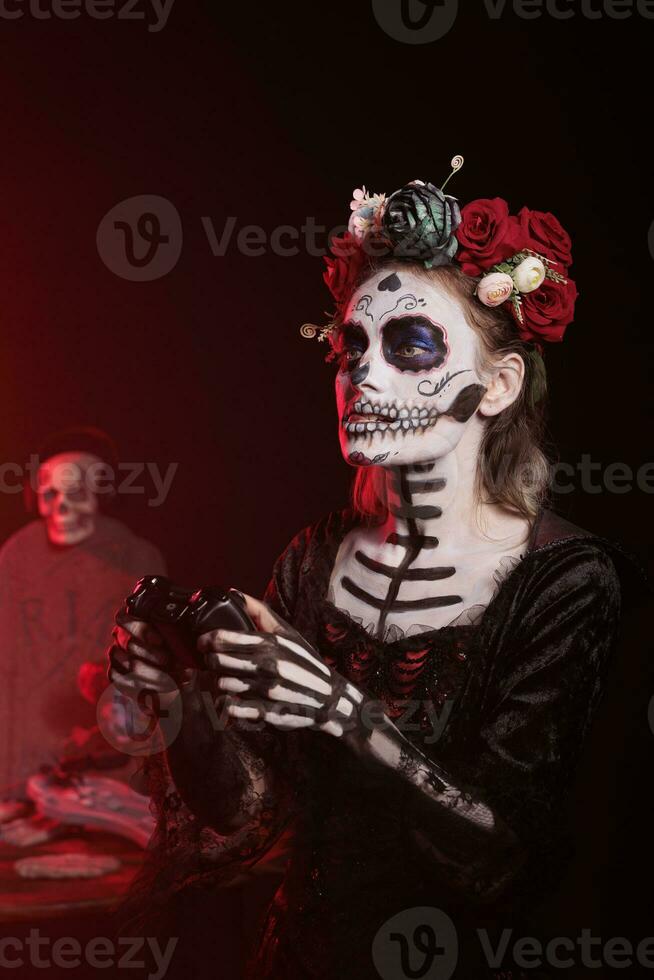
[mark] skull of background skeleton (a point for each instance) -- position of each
(67, 501)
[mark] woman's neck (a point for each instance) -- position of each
(434, 500)
(437, 551)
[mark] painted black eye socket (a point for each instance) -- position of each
(351, 344)
(414, 343)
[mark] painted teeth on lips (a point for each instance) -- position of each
(370, 412)
(372, 417)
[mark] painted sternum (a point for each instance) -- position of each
(412, 482)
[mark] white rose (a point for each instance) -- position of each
(529, 275)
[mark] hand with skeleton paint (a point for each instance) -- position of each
(140, 659)
(278, 678)
(229, 777)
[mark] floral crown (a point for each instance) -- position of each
(521, 260)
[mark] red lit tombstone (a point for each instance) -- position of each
(62, 577)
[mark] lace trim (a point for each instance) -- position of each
(472, 616)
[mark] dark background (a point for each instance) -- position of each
(272, 113)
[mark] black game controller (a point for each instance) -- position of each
(181, 615)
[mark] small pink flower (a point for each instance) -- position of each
(367, 211)
(495, 288)
(358, 198)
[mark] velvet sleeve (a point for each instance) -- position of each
(544, 688)
(282, 590)
(485, 815)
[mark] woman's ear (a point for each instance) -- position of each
(506, 381)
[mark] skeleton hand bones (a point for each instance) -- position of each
(271, 675)
(275, 676)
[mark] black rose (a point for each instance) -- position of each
(419, 220)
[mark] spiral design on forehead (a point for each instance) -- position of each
(410, 302)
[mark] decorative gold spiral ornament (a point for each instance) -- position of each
(310, 330)
(456, 164)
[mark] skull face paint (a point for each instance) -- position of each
(407, 382)
(67, 502)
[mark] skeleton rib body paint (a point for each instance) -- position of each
(407, 389)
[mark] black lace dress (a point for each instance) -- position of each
(501, 698)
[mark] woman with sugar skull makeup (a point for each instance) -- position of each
(427, 661)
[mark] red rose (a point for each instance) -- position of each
(344, 268)
(547, 236)
(487, 235)
(547, 311)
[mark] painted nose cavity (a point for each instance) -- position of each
(360, 373)
(372, 371)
